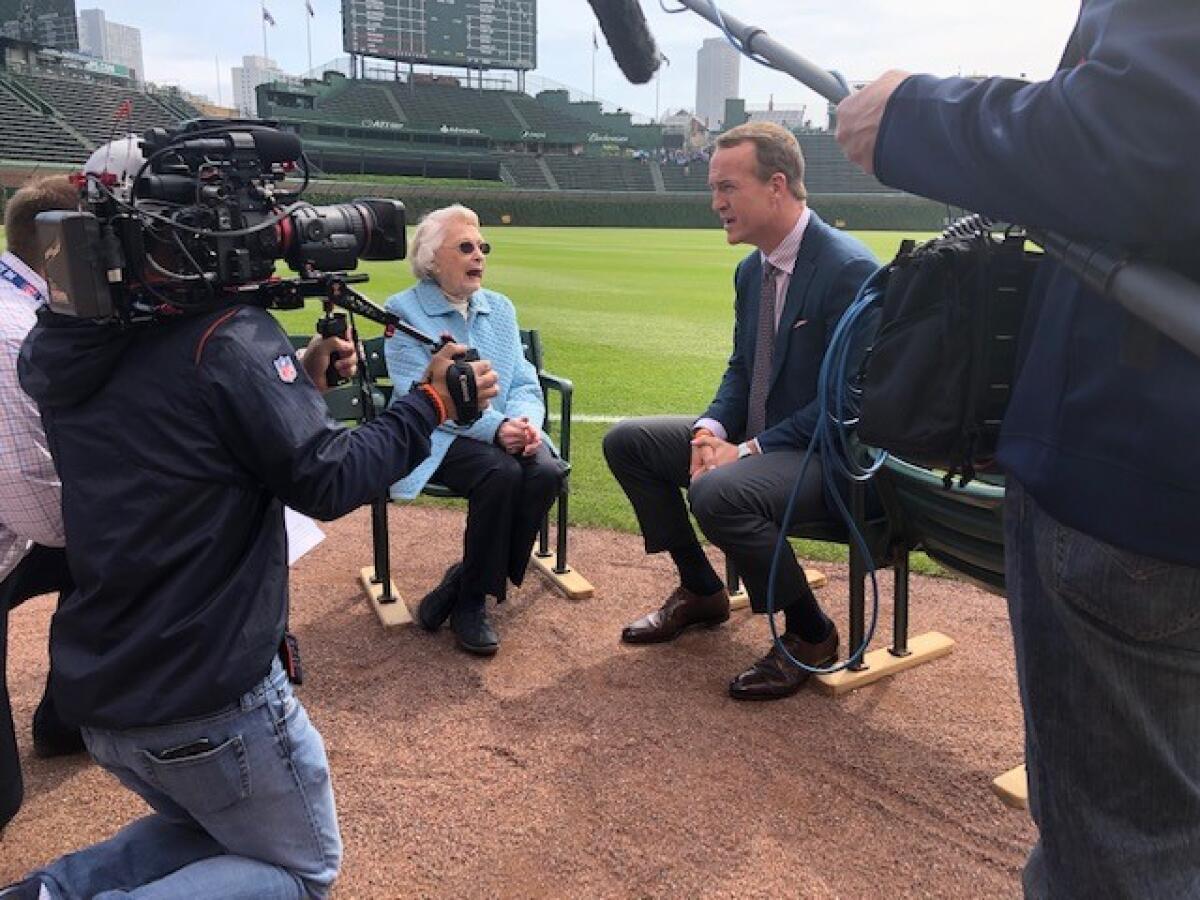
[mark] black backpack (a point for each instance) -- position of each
(936, 381)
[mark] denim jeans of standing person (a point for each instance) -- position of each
(252, 817)
(1108, 664)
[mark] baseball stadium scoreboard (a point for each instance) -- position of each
(485, 34)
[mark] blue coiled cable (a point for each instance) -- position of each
(837, 415)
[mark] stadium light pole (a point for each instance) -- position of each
(263, 18)
(308, 17)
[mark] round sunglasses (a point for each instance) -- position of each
(466, 248)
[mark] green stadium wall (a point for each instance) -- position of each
(856, 212)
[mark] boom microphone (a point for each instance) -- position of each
(628, 37)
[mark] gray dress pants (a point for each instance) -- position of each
(739, 507)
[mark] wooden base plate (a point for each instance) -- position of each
(1013, 788)
(570, 582)
(391, 615)
(881, 663)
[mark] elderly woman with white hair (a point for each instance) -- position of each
(502, 463)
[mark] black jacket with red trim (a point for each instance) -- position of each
(178, 446)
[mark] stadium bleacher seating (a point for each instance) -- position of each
(581, 173)
(91, 107)
(541, 117)
(524, 172)
(479, 119)
(692, 176)
(354, 101)
(391, 127)
(25, 133)
(435, 105)
(828, 172)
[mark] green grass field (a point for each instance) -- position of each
(640, 320)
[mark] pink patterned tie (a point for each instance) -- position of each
(764, 351)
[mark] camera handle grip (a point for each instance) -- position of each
(460, 382)
(332, 325)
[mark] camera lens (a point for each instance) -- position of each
(338, 235)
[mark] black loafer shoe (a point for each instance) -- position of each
(434, 608)
(474, 630)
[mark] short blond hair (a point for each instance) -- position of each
(430, 233)
(775, 150)
(44, 194)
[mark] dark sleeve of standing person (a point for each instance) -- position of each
(1105, 149)
(275, 422)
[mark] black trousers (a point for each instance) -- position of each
(507, 498)
(739, 507)
(42, 571)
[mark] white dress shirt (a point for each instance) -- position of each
(30, 492)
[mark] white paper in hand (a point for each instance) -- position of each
(302, 534)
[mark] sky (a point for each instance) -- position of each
(194, 45)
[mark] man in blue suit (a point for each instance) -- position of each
(740, 460)
(1102, 435)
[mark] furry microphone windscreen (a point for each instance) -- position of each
(625, 29)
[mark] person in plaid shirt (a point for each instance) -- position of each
(31, 528)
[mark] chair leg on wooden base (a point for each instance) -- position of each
(739, 599)
(392, 614)
(1013, 788)
(569, 583)
(882, 663)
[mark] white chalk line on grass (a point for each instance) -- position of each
(588, 418)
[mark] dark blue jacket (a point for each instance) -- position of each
(830, 268)
(1104, 424)
(177, 446)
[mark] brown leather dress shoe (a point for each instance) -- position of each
(682, 610)
(774, 676)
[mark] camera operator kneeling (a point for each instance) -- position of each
(178, 446)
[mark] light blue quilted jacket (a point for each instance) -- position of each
(491, 328)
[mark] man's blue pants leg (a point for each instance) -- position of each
(252, 817)
(1108, 663)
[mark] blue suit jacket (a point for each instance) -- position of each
(1103, 428)
(830, 268)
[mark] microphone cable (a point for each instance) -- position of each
(838, 401)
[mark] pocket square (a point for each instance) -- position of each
(799, 323)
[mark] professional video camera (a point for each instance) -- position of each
(193, 219)
(201, 222)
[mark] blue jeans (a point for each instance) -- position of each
(1108, 663)
(252, 817)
